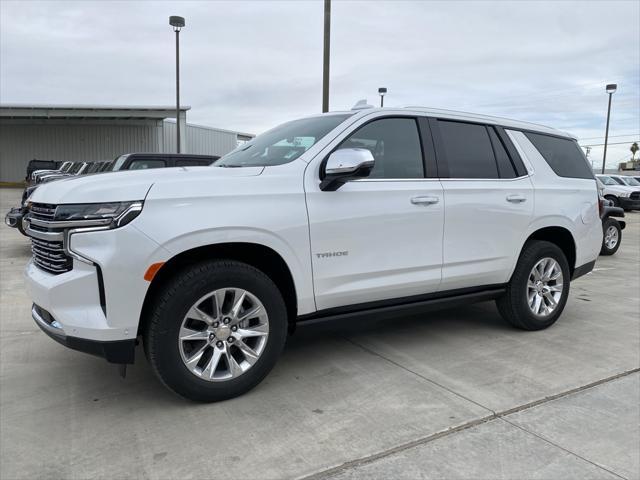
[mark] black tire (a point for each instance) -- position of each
(513, 306)
(178, 295)
(614, 200)
(610, 223)
(20, 229)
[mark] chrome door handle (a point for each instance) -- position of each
(424, 200)
(516, 198)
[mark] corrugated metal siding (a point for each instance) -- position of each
(86, 141)
(201, 140)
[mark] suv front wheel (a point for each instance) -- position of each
(539, 287)
(216, 330)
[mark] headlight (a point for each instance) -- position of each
(625, 194)
(120, 213)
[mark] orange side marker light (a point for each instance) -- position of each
(152, 270)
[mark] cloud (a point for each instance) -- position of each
(250, 65)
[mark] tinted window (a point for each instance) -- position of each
(505, 167)
(191, 162)
(468, 150)
(395, 145)
(143, 164)
(563, 155)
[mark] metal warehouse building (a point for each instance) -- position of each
(94, 133)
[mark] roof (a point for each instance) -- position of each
(471, 117)
(137, 112)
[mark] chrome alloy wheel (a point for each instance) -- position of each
(544, 287)
(611, 237)
(223, 334)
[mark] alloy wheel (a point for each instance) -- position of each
(544, 287)
(223, 334)
(611, 237)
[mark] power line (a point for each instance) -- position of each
(611, 136)
(615, 143)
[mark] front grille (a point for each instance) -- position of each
(635, 196)
(43, 211)
(50, 256)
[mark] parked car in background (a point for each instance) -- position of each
(626, 180)
(611, 226)
(619, 194)
(49, 165)
(130, 161)
(143, 161)
(344, 214)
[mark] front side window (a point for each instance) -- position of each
(282, 144)
(630, 181)
(468, 150)
(394, 144)
(563, 155)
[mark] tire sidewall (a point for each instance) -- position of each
(189, 288)
(519, 283)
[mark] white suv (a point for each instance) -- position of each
(366, 212)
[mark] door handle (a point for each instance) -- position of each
(424, 200)
(516, 198)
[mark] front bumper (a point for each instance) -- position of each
(629, 203)
(100, 298)
(13, 218)
(119, 351)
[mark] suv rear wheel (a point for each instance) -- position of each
(216, 330)
(539, 287)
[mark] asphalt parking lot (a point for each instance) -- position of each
(455, 394)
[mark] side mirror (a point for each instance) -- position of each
(344, 165)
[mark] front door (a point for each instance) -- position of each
(378, 238)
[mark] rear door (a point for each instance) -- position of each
(489, 202)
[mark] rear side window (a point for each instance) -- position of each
(143, 164)
(563, 155)
(468, 150)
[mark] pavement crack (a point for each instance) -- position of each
(544, 439)
(473, 423)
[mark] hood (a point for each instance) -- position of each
(130, 185)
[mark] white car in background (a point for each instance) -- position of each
(619, 192)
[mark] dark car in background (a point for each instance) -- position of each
(129, 161)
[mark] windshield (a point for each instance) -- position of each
(608, 181)
(117, 164)
(282, 144)
(632, 182)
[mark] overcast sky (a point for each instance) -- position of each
(251, 65)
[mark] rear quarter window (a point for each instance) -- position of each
(563, 155)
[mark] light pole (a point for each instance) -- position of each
(382, 91)
(326, 56)
(177, 23)
(611, 88)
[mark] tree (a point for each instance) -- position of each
(634, 148)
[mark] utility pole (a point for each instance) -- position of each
(326, 56)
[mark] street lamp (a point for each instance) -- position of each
(177, 23)
(610, 89)
(382, 91)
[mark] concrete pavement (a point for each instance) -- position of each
(455, 394)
